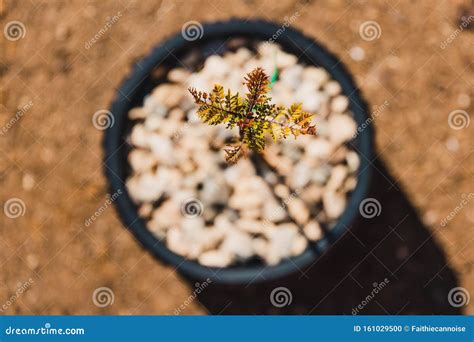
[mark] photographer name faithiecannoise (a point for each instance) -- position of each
(437, 329)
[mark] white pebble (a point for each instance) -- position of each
(167, 214)
(273, 211)
(178, 75)
(298, 210)
(139, 136)
(350, 183)
(342, 128)
(313, 231)
(334, 204)
(145, 188)
(312, 194)
(217, 66)
(137, 113)
(301, 175)
(319, 148)
(338, 175)
(141, 160)
(281, 240)
(299, 245)
(216, 258)
(250, 226)
(332, 88)
(238, 244)
(285, 60)
(292, 76)
(268, 49)
(153, 123)
(282, 191)
(214, 191)
(162, 149)
(321, 174)
(318, 76)
(153, 106)
(339, 104)
(241, 56)
(168, 95)
(353, 161)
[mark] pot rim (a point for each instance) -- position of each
(115, 162)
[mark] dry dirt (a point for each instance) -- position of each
(51, 158)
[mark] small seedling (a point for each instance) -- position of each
(253, 114)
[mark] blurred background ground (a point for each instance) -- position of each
(51, 157)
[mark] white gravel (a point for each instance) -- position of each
(220, 214)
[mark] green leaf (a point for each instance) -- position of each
(254, 114)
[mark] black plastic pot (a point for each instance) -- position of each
(141, 82)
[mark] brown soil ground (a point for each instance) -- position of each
(51, 157)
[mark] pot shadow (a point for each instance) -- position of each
(388, 264)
